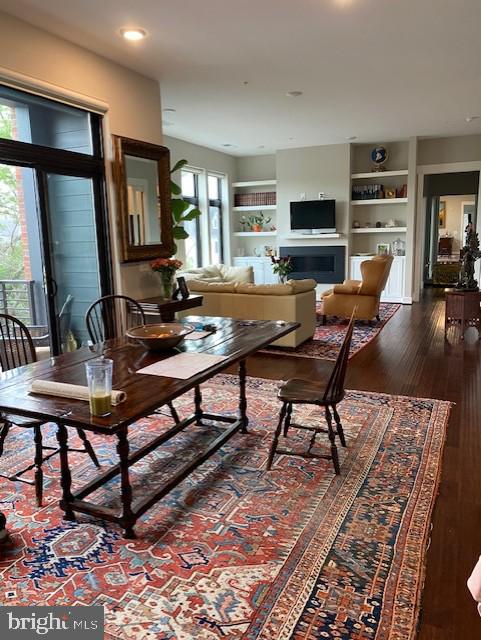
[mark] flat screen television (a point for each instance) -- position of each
(314, 216)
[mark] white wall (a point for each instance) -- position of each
(133, 103)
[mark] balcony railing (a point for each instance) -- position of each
(17, 299)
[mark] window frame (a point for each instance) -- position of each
(217, 203)
(195, 202)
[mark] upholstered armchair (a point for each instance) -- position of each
(364, 294)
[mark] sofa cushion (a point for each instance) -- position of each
(265, 289)
(236, 274)
(299, 286)
(212, 287)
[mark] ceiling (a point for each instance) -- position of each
(376, 69)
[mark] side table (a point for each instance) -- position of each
(167, 309)
(463, 309)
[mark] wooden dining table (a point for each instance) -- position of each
(233, 339)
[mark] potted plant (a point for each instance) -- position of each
(257, 222)
(166, 268)
(282, 266)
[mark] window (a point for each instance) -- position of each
(192, 245)
(205, 242)
(214, 188)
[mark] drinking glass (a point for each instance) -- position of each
(99, 379)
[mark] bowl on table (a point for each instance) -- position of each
(156, 337)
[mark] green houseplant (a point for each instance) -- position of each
(181, 209)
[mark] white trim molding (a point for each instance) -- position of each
(44, 89)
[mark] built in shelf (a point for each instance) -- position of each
(257, 207)
(379, 201)
(255, 183)
(380, 230)
(313, 236)
(379, 174)
(251, 234)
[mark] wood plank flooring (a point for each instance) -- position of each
(410, 357)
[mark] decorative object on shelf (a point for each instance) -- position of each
(378, 225)
(379, 156)
(399, 247)
(383, 248)
(282, 267)
(469, 254)
(257, 222)
(390, 193)
(166, 268)
(368, 192)
(254, 199)
(241, 252)
(391, 223)
(257, 252)
(368, 225)
(402, 192)
(442, 214)
(244, 223)
(356, 224)
(268, 251)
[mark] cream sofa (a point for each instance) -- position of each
(219, 273)
(294, 301)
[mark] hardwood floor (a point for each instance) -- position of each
(410, 357)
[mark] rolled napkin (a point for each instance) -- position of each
(75, 391)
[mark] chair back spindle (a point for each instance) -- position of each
(16, 344)
(110, 317)
(335, 387)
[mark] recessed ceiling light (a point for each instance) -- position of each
(351, 138)
(261, 146)
(471, 118)
(294, 94)
(133, 34)
(228, 144)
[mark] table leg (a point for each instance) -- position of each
(65, 477)
(242, 396)
(3, 528)
(198, 405)
(127, 519)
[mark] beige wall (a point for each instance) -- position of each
(454, 149)
(133, 102)
(256, 168)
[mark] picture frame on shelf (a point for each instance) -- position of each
(383, 248)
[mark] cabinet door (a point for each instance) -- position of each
(269, 276)
(356, 268)
(395, 284)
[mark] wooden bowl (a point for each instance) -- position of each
(156, 337)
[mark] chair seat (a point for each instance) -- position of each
(307, 391)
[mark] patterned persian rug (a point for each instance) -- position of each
(328, 338)
(235, 551)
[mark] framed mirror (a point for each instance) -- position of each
(142, 182)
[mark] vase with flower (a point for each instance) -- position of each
(282, 266)
(166, 268)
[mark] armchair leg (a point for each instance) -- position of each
(378, 318)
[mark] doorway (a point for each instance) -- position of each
(53, 227)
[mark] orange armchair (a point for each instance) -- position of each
(364, 294)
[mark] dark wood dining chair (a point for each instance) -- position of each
(16, 350)
(326, 392)
(110, 316)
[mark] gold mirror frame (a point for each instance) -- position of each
(128, 147)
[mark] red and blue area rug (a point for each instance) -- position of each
(235, 551)
(328, 338)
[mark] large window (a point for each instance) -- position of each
(53, 224)
(192, 245)
(214, 188)
(205, 242)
